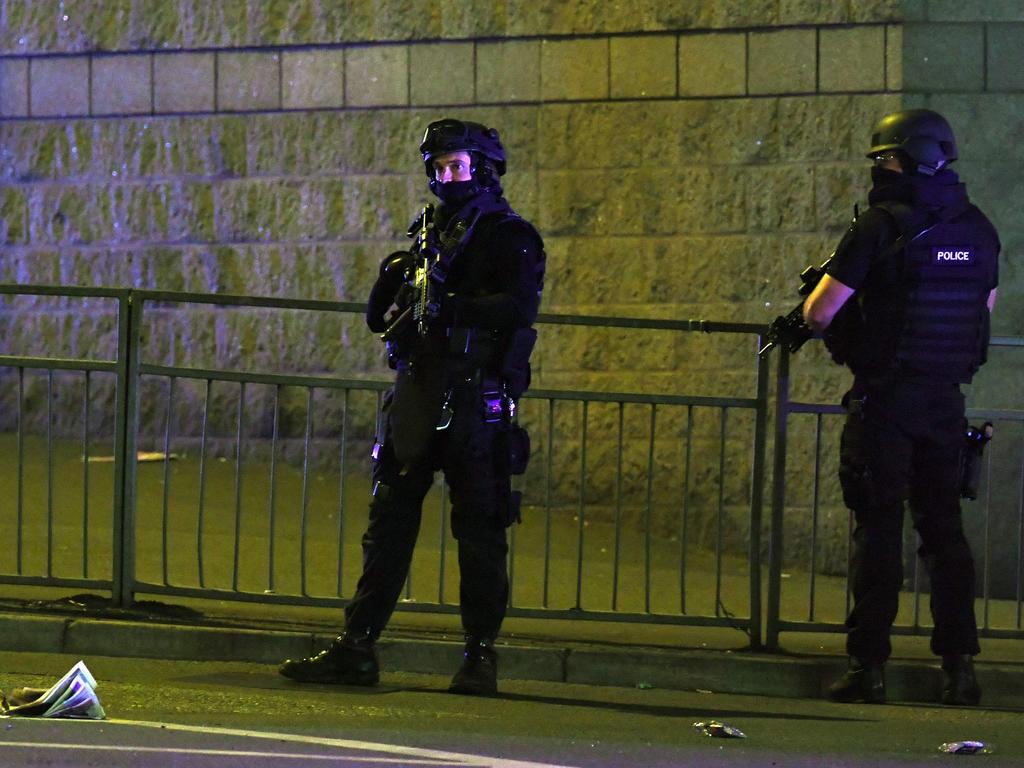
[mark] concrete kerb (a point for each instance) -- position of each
(710, 671)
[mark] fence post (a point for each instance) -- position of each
(778, 499)
(757, 499)
(126, 428)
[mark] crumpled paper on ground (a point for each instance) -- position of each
(73, 696)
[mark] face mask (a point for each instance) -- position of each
(881, 175)
(456, 192)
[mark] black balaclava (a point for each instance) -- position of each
(942, 189)
(455, 193)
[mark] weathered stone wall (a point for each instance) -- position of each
(680, 159)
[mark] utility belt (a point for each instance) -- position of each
(464, 349)
(897, 376)
(497, 406)
(498, 411)
(865, 387)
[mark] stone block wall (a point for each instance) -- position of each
(680, 159)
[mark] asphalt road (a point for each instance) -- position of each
(167, 714)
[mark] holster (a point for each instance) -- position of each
(855, 476)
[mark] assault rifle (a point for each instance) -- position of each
(433, 253)
(790, 329)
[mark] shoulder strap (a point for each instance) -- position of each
(911, 226)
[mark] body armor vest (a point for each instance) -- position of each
(933, 322)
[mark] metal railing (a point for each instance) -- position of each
(826, 585)
(238, 518)
(638, 506)
(46, 572)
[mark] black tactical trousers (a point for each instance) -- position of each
(902, 441)
(479, 486)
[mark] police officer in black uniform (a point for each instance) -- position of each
(459, 373)
(905, 302)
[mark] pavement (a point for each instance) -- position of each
(709, 659)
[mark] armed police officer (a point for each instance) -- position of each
(456, 313)
(905, 302)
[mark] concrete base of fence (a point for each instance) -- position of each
(714, 670)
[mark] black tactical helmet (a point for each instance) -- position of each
(922, 136)
(448, 135)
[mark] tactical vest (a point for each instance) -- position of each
(933, 323)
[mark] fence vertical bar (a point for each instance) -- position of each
(343, 459)
(202, 484)
(985, 589)
(49, 472)
(129, 342)
(272, 501)
(580, 509)
(814, 517)
(647, 509)
(849, 560)
(1020, 538)
(683, 523)
(617, 544)
(720, 526)
(510, 560)
(238, 486)
(165, 512)
(20, 506)
(85, 477)
(304, 513)
(549, 466)
(442, 564)
(757, 497)
(778, 499)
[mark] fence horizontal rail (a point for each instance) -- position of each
(607, 525)
(58, 363)
(65, 291)
(281, 379)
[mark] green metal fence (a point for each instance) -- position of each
(639, 506)
(807, 594)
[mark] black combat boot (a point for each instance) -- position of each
(962, 688)
(864, 681)
(478, 675)
(347, 661)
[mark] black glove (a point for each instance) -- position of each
(394, 272)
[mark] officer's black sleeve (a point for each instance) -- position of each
(518, 262)
(866, 238)
(382, 294)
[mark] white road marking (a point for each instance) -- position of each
(224, 753)
(471, 761)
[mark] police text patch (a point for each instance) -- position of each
(952, 254)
